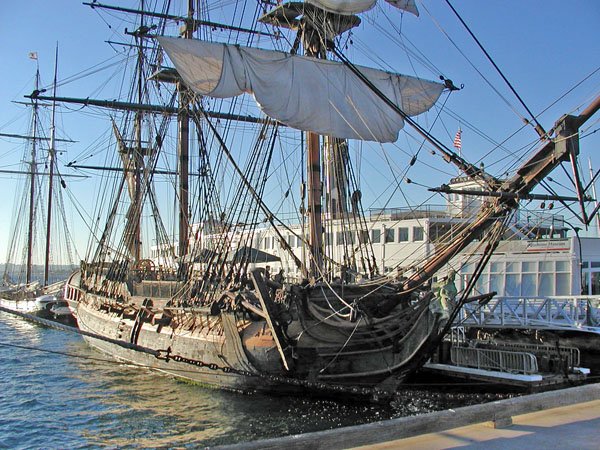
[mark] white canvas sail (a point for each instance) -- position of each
(358, 6)
(305, 93)
(406, 5)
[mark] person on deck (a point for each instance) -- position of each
(279, 277)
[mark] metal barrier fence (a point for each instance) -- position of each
(498, 360)
(572, 354)
(581, 313)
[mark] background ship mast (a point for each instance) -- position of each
(32, 167)
(52, 157)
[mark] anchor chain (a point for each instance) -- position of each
(375, 393)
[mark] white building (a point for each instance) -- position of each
(535, 259)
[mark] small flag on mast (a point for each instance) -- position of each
(33, 55)
(457, 140)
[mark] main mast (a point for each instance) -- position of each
(183, 144)
(314, 47)
(138, 151)
(316, 29)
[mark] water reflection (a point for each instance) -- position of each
(140, 407)
(29, 331)
(133, 406)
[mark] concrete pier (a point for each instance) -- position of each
(565, 419)
(568, 427)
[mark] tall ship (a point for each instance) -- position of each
(270, 115)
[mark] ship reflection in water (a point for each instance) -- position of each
(135, 407)
(51, 400)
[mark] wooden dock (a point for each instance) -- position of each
(531, 382)
(566, 419)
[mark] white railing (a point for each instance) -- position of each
(580, 313)
(498, 360)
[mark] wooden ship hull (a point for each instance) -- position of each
(248, 345)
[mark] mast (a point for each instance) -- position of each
(315, 225)
(314, 48)
(183, 119)
(138, 158)
(138, 183)
(316, 30)
(32, 181)
(133, 158)
(50, 177)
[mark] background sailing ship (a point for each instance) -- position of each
(40, 250)
(187, 284)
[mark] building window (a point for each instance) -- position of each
(402, 234)
(349, 237)
(512, 285)
(363, 237)
(417, 233)
(375, 236)
(389, 235)
(529, 286)
(595, 283)
(528, 266)
(546, 278)
(563, 278)
(497, 277)
(482, 284)
(439, 232)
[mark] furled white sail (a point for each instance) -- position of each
(305, 93)
(358, 6)
(344, 6)
(406, 5)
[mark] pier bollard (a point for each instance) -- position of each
(502, 421)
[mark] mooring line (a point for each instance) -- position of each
(60, 326)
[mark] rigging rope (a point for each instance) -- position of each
(538, 127)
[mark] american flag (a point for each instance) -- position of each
(457, 140)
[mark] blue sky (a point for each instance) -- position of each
(544, 47)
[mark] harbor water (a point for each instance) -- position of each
(57, 392)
